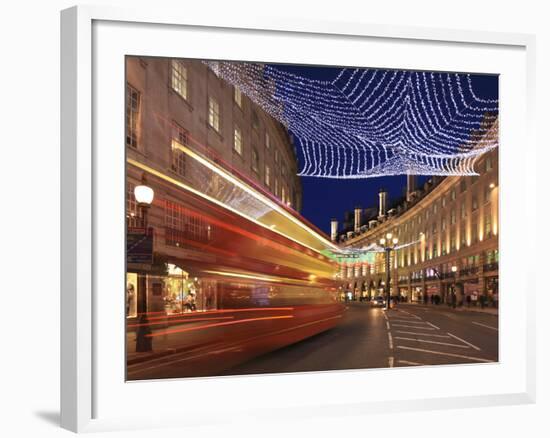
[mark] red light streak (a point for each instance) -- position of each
(172, 321)
(210, 312)
(239, 321)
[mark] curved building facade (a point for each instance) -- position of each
(448, 240)
(184, 124)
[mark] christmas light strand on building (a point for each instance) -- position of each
(366, 122)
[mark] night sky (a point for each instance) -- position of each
(326, 198)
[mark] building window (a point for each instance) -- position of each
(487, 194)
(267, 176)
(453, 216)
(475, 232)
(238, 141)
(214, 114)
(453, 241)
(419, 221)
(463, 235)
(443, 225)
(255, 120)
(443, 202)
(182, 225)
(267, 141)
(276, 156)
(474, 203)
(462, 185)
(463, 210)
(434, 228)
(179, 78)
(488, 224)
(179, 138)
(276, 188)
(133, 99)
(488, 164)
(133, 213)
(435, 207)
(453, 194)
(255, 160)
(238, 97)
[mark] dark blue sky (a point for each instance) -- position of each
(325, 198)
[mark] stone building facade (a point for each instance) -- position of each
(448, 239)
(177, 112)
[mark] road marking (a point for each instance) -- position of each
(478, 359)
(431, 342)
(390, 361)
(390, 340)
(483, 325)
(388, 325)
(407, 362)
(385, 316)
(421, 334)
(434, 326)
(466, 342)
(411, 314)
(413, 326)
(408, 321)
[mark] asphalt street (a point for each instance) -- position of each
(370, 337)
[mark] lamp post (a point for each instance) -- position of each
(453, 298)
(388, 243)
(144, 197)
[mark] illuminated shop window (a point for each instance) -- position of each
(131, 294)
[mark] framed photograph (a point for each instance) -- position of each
(291, 218)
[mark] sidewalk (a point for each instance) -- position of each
(487, 310)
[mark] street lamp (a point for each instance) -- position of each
(144, 196)
(388, 243)
(453, 297)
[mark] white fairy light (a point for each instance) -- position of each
(368, 123)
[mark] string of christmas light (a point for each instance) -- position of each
(368, 123)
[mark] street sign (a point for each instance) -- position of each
(139, 245)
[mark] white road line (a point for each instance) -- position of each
(478, 359)
(483, 325)
(407, 362)
(413, 326)
(390, 361)
(390, 340)
(385, 316)
(411, 314)
(421, 334)
(388, 325)
(434, 326)
(431, 342)
(466, 342)
(408, 321)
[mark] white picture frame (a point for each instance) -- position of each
(84, 372)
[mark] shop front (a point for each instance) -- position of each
(172, 291)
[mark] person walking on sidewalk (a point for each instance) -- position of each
(468, 300)
(453, 300)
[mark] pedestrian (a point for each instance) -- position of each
(453, 299)
(468, 300)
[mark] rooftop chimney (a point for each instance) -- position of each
(382, 200)
(357, 219)
(411, 187)
(333, 230)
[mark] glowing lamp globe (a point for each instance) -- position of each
(382, 241)
(395, 240)
(389, 236)
(144, 194)
(453, 268)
